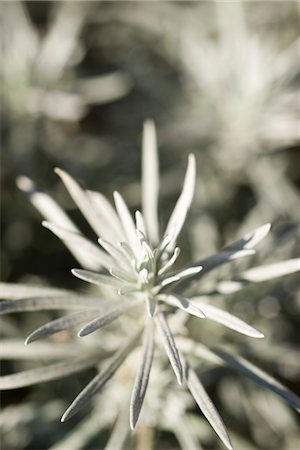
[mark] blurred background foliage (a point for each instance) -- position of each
(221, 80)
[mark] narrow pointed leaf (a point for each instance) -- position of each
(90, 249)
(184, 202)
(82, 200)
(63, 323)
(258, 376)
(48, 373)
(140, 223)
(169, 345)
(229, 320)
(184, 304)
(127, 223)
(48, 303)
(115, 252)
(169, 262)
(14, 291)
(98, 382)
(191, 272)
(142, 376)
(95, 278)
(52, 212)
(206, 405)
(106, 318)
(150, 181)
(250, 240)
(121, 430)
(264, 273)
(123, 275)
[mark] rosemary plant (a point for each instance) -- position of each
(133, 266)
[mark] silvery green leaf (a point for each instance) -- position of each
(229, 287)
(51, 211)
(83, 202)
(142, 376)
(207, 407)
(264, 273)
(184, 304)
(115, 252)
(60, 324)
(150, 180)
(47, 303)
(181, 276)
(169, 345)
(14, 349)
(259, 376)
(230, 321)
(117, 438)
(184, 202)
(169, 262)
(112, 230)
(106, 318)
(98, 382)
(127, 223)
(93, 251)
(95, 278)
(250, 240)
(14, 291)
(48, 373)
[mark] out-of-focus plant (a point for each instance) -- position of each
(134, 272)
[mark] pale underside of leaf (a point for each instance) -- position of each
(181, 276)
(150, 181)
(251, 239)
(169, 345)
(48, 303)
(95, 278)
(184, 304)
(183, 204)
(229, 320)
(142, 376)
(207, 407)
(48, 373)
(52, 212)
(128, 224)
(107, 318)
(98, 382)
(60, 324)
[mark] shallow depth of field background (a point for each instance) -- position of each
(220, 80)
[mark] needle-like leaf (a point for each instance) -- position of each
(150, 181)
(48, 303)
(14, 291)
(183, 204)
(184, 304)
(169, 345)
(48, 373)
(63, 323)
(128, 224)
(230, 321)
(95, 278)
(206, 405)
(142, 376)
(98, 382)
(264, 273)
(106, 318)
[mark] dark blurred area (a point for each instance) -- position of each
(220, 79)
